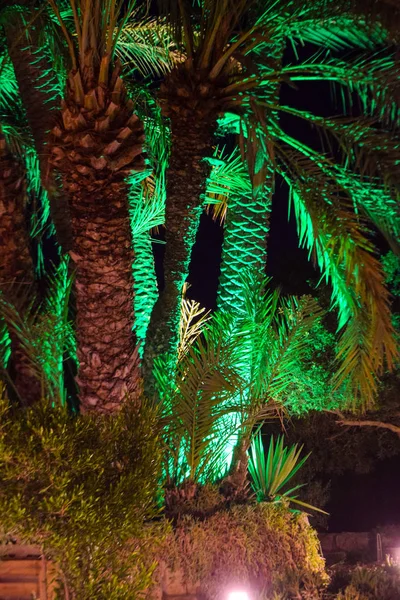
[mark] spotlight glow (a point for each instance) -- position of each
(238, 595)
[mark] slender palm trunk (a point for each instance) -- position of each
(40, 95)
(247, 222)
(245, 248)
(17, 276)
(186, 183)
(245, 244)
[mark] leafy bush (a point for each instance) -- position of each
(81, 487)
(369, 583)
(264, 546)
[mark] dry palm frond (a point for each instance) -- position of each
(191, 324)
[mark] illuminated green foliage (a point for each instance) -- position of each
(338, 187)
(19, 139)
(45, 333)
(81, 487)
(272, 472)
(147, 208)
(238, 372)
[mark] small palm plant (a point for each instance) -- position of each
(272, 472)
(233, 372)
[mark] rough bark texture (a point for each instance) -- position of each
(95, 146)
(16, 265)
(186, 180)
(38, 88)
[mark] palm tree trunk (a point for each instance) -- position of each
(245, 247)
(245, 244)
(96, 145)
(186, 183)
(41, 98)
(17, 275)
(108, 370)
(247, 222)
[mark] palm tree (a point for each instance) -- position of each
(366, 169)
(207, 81)
(233, 371)
(96, 143)
(227, 70)
(36, 52)
(23, 217)
(17, 273)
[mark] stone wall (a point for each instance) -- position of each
(361, 545)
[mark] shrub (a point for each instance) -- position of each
(81, 488)
(264, 546)
(369, 583)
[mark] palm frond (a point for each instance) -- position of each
(373, 77)
(196, 402)
(366, 149)
(9, 93)
(340, 241)
(147, 47)
(228, 176)
(368, 195)
(192, 321)
(292, 325)
(147, 191)
(338, 33)
(44, 333)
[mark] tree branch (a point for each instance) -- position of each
(367, 423)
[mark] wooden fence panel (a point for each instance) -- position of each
(24, 576)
